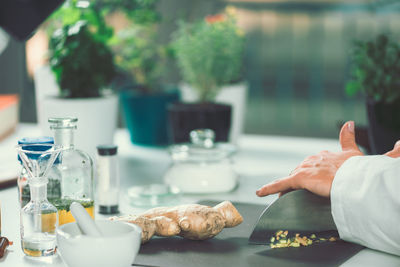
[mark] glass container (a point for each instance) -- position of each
(107, 179)
(202, 166)
(53, 176)
(153, 195)
(75, 168)
(39, 218)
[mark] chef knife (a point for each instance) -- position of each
(298, 211)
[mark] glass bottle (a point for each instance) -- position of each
(40, 242)
(75, 168)
(53, 176)
(39, 218)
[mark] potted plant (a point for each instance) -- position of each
(209, 55)
(376, 73)
(141, 62)
(82, 67)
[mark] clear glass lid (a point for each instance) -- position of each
(202, 147)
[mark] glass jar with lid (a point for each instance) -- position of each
(75, 168)
(202, 166)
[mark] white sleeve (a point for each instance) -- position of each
(365, 199)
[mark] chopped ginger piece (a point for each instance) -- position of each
(281, 240)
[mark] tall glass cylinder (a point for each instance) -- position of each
(107, 179)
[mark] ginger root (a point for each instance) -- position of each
(159, 225)
(193, 221)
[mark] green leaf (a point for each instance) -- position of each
(375, 69)
(352, 88)
(209, 54)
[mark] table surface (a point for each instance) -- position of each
(260, 159)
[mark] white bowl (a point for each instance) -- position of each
(118, 246)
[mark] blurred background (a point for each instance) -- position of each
(296, 59)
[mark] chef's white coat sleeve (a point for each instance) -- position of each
(365, 199)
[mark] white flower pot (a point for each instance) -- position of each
(97, 117)
(234, 94)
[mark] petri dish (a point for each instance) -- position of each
(153, 195)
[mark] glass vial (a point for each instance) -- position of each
(107, 179)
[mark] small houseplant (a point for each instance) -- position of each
(144, 98)
(141, 63)
(82, 65)
(209, 55)
(376, 73)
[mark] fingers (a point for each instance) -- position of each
(277, 186)
(347, 137)
(395, 152)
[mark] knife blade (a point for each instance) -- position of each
(299, 211)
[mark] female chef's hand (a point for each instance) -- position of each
(316, 172)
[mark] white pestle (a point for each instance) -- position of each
(85, 223)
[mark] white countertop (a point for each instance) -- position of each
(260, 159)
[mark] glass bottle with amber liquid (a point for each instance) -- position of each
(75, 168)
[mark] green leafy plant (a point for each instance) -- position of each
(376, 70)
(137, 11)
(73, 11)
(78, 52)
(138, 53)
(209, 53)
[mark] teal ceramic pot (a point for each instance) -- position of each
(146, 116)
